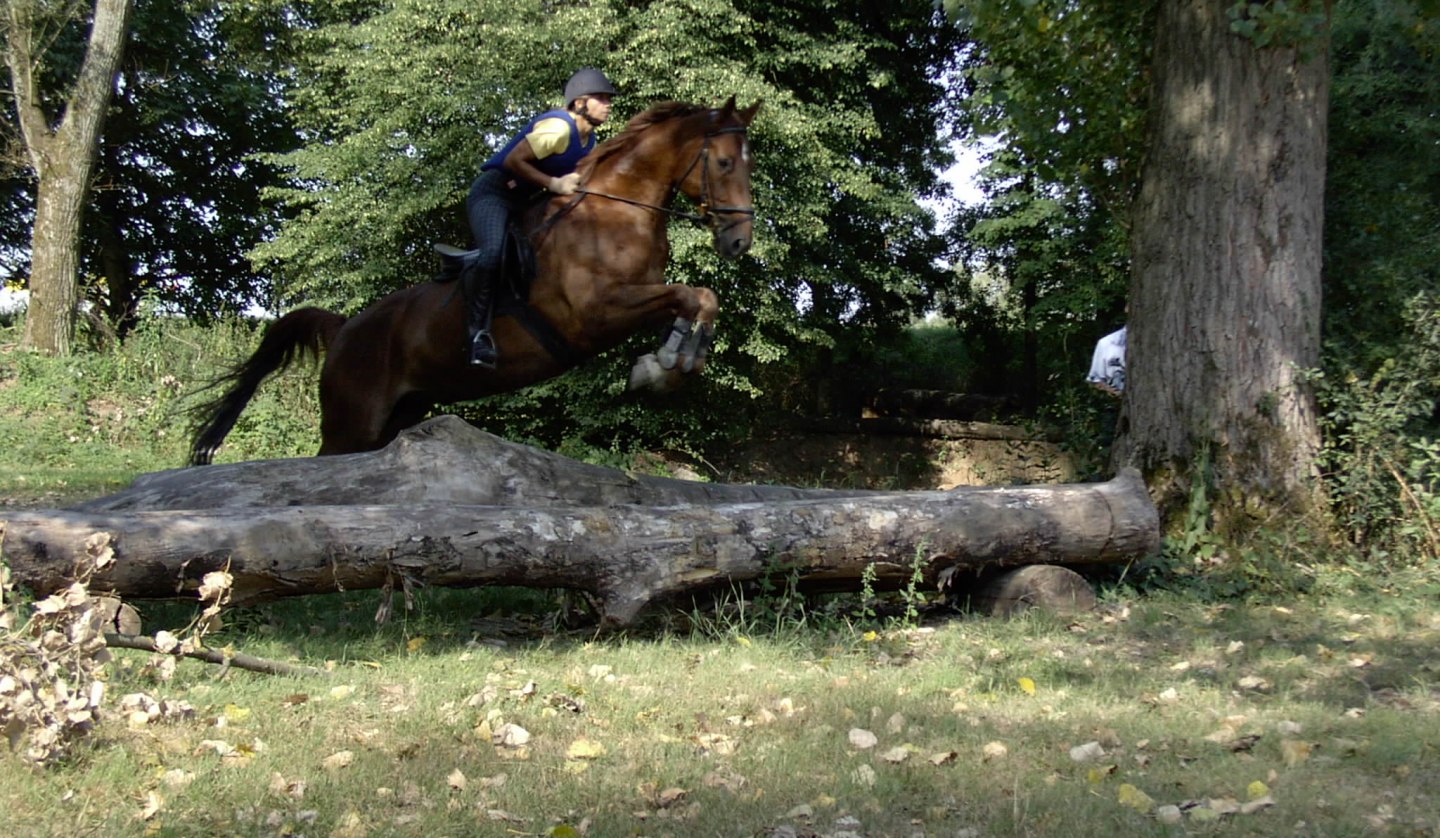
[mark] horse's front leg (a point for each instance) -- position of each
(685, 347)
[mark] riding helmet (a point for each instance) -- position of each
(586, 82)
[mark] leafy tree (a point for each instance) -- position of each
(404, 104)
(175, 201)
(1057, 89)
(61, 147)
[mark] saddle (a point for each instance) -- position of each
(512, 289)
(517, 265)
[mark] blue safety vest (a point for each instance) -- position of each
(556, 165)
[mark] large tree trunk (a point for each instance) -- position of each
(448, 505)
(1225, 293)
(62, 152)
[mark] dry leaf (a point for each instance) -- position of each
(943, 758)
(1027, 685)
(511, 735)
(153, 804)
(1169, 814)
(1295, 751)
(669, 797)
(897, 754)
(1135, 799)
(994, 750)
(339, 759)
(456, 780)
(1087, 752)
(862, 739)
(585, 749)
(864, 775)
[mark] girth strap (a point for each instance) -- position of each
(542, 330)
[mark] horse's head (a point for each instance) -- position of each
(719, 179)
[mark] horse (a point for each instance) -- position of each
(599, 260)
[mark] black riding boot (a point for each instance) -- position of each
(479, 293)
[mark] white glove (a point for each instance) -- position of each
(566, 184)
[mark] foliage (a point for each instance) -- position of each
(105, 415)
(1381, 451)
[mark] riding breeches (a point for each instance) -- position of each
(488, 207)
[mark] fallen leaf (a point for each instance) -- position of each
(153, 804)
(865, 775)
(1169, 814)
(943, 758)
(585, 749)
(862, 739)
(669, 797)
(339, 759)
(1295, 751)
(897, 754)
(1135, 798)
(1027, 685)
(1087, 752)
(1257, 804)
(994, 750)
(456, 780)
(511, 735)
(1257, 790)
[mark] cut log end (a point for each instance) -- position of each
(1049, 588)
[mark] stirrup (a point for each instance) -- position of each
(482, 351)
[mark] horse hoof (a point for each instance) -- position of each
(647, 372)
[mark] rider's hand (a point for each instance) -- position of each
(566, 184)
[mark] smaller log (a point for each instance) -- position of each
(1046, 587)
(932, 428)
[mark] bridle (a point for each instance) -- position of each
(708, 216)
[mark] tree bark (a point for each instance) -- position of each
(62, 153)
(1225, 291)
(535, 519)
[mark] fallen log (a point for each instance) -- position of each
(449, 505)
(443, 460)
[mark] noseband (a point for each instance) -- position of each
(707, 216)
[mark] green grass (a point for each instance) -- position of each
(754, 728)
(729, 719)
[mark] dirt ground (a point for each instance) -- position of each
(890, 462)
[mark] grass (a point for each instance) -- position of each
(1331, 705)
(1315, 714)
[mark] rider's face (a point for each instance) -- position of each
(596, 107)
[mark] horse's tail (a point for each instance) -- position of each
(303, 332)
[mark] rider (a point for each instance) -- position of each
(543, 156)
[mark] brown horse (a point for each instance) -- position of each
(600, 259)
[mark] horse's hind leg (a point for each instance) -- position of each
(353, 413)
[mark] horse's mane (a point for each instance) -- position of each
(634, 130)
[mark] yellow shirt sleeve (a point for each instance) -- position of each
(551, 136)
